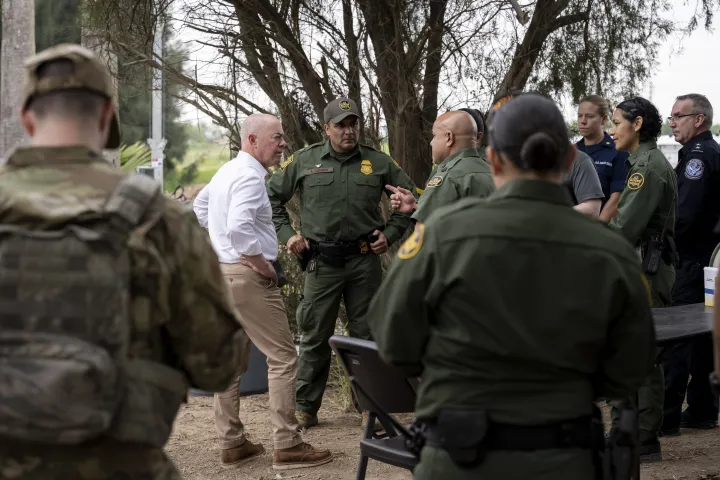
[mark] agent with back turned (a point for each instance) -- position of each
(508, 387)
(593, 116)
(460, 172)
(113, 303)
(342, 234)
(646, 218)
(698, 178)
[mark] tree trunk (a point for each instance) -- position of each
(93, 40)
(18, 43)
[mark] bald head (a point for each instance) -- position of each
(452, 132)
(262, 136)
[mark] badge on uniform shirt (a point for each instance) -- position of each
(366, 167)
(412, 245)
(364, 248)
(635, 181)
(435, 181)
(694, 169)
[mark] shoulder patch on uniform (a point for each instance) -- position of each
(636, 181)
(287, 162)
(435, 181)
(412, 245)
(694, 169)
(366, 167)
(394, 162)
(647, 288)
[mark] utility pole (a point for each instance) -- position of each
(157, 142)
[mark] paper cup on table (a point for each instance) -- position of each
(710, 275)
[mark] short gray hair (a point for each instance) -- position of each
(254, 123)
(701, 104)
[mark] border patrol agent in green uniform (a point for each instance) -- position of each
(342, 233)
(518, 313)
(113, 303)
(460, 172)
(646, 217)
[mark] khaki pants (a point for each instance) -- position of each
(261, 310)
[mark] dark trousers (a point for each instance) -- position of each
(691, 360)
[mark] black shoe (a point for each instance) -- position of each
(650, 452)
(669, 432)
(687, 422)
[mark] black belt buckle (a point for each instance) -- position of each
(332, 253)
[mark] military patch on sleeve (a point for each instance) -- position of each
(694, 169)
(287, 162)
(412, 245)
(435, 181)
(636, 181)
(647, 287)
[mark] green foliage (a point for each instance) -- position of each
(135, 155)
(135, 106)
(55, 22)
(715, 129)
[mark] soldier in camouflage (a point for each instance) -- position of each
(112, 300)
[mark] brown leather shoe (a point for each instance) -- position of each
(300, 456)
(232, 457)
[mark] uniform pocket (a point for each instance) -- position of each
(367, 187)
(319, 187)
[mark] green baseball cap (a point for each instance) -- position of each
(88, 73)
(339, 109)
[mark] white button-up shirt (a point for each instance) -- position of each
(236, 210)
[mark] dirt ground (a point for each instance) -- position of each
(195, 450)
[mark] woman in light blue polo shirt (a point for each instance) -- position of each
(593, 115)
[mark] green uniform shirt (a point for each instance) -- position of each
(649, 201)
(463, 174)
(340, 194)
(516, 300)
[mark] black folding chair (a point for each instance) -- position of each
(389, 391)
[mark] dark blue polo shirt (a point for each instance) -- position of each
(609, 164)
(698, 177)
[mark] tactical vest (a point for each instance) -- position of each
(66, 375)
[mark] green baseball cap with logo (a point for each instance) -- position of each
(339, 109)
(88, 73)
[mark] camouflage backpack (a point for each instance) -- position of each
(64, 322)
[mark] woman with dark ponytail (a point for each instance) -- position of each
(513, 301)
(646, 217)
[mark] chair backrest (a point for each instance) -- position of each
(388, 386)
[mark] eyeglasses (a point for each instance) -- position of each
(675, 118)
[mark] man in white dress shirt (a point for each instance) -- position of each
(235, 209)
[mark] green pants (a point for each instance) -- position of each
(651, 395)
(566, 464)
(355, 283)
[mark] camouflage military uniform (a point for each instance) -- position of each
(183, 330)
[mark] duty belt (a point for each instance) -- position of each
(575, 433)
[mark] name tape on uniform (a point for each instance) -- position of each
(636, 181)
(412, 245)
